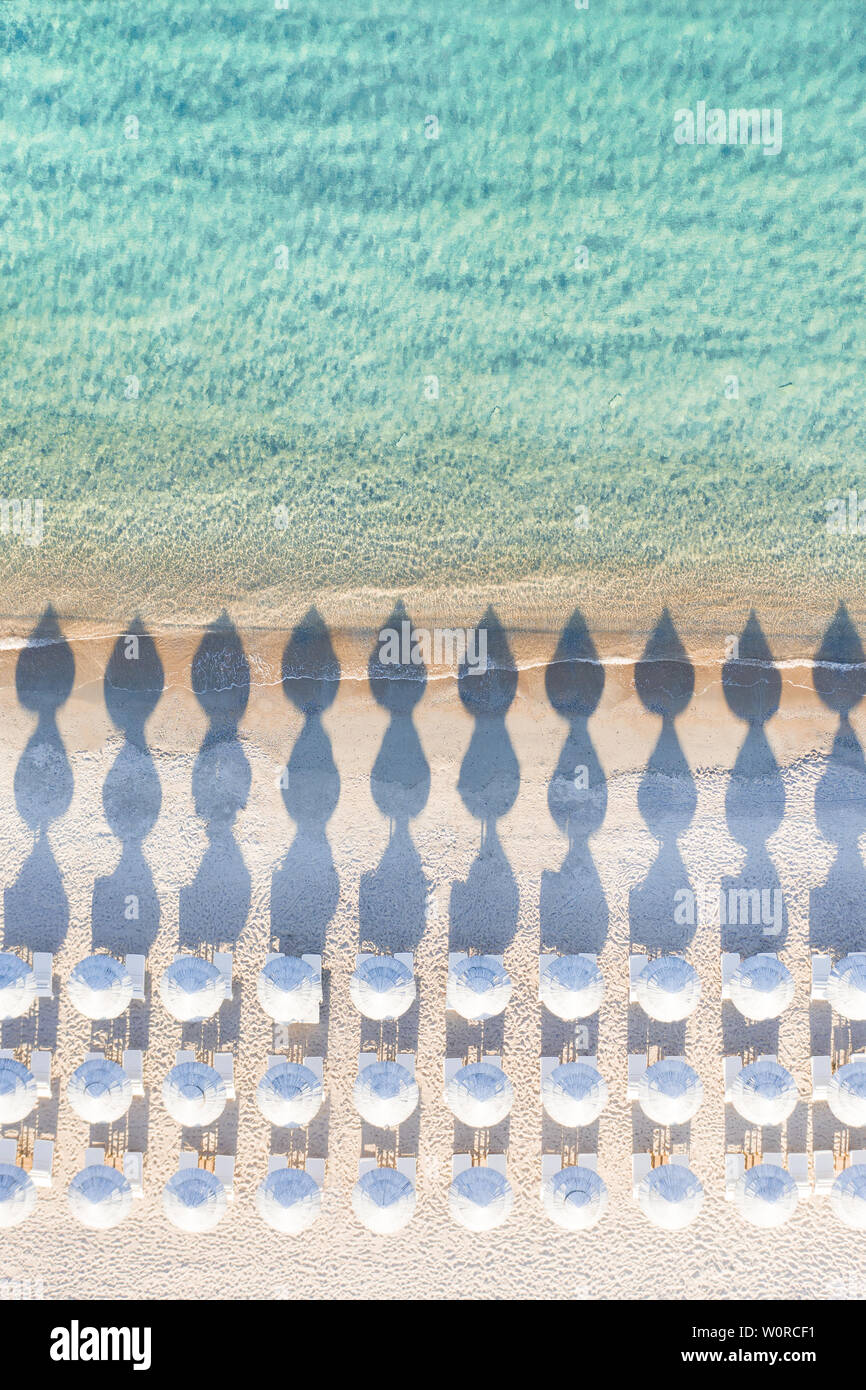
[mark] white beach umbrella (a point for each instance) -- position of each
(764, 1093)
(848, 1197)
(191, 989)
(671, 1196)
(17, 986)
(17, 1091)
(479, 987)
(194, 1199)
(574, 1198)
(847, 1093)
(668, 989)
(99, 1091)
(288, 988)
(761, 987)
(194, 1094)
(17, 1195)
(479, 1094)
(385, 1094)
(574, 1094)
(383, 1200)
(670, 1092)
(480, 1198)
(289, 1095)
(289, 1200)
(571, 986)
(100, 987)
(766, 1195)
(99, 1196)
(846, 988)
(382, 987)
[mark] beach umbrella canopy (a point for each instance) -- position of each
(571, 986)
(289, 1095)
(480, 1199)
(194, 1199)
(17, 986)
(479, 987)
(574, 1094)
(574, 1198)
(761, 987)
(17, 1091)
(288, 988)
(382, 987)
(670, 1092)
(99, 1196)
(383, 1200)
(766, 1195)
(17, 1195)
(99, 1091)
(846, 988)
(191, 989)
(385, 1094)
(848, 1197)
(194, 1094)
(847, 1093)
(671, 1196)
(668, 989)
(479, 1094)
(764, 1093)
(100, 987)
(289, 1200)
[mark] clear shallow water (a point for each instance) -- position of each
(219, 337)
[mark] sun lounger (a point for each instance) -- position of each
(133, 1065)
(133, 1171)
(184, 1056)
(316, 1169)
(43, 1162)
(731, 1068)
(825, 1171)
(821, 967)
(224, 1064)
(188, 1158)
(224, 1169)
(637, 1065)
(730, 963)
(43, 969)
(94, 1157)
(735, 1167)
(9, 1151)
(223, 962)
(822, 1073)
(460, 1162)
(40, 1067)
(636, 965)
(640, 1166)
(856, 1156)
(552, 1164)
(798, 1167)
(136, 966)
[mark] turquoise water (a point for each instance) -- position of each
(233, 261)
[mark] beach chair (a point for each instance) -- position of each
(43, 969)
(224, 1169)
(9, 1151)
(735, 1167)
(499, 1162)
(40, 1067)
(637, 963)
(94, 1157)
(94, 1056)
(731, 1068)
(821, 967)
(7, 1054)
(224, 1065)
(856, 1156)
(316, 1169)
(133, 1065)
(822, 1073)
(133, 1171)
(223, 962)
(824, 1165)
(43, 1162)
(640, 1166)
(184, 1056)
(730, 963)
(136, 967)
(188, 1158)
(798, 1167)
(637, 1065)
(276, 1161)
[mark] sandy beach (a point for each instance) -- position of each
(388, 860)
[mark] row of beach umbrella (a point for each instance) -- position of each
(383, 987)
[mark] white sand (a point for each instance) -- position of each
(719, 1256)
